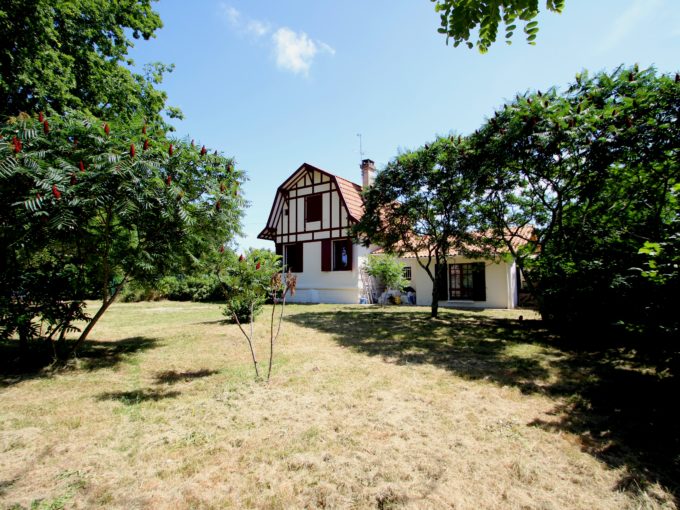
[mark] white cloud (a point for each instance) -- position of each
(243, 24)
(231, 14)
(257, 28)
(624, 25)
(326, 48)
(295, 51)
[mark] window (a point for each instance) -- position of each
(336, 255)
(406, 272)
(292, 257)
(342, 255)
(313, 208)
(467, 282)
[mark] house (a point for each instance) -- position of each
(310, 222)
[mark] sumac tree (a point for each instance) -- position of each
(85, 206)
(593, 169)
(248, 281)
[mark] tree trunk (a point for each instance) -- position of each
(249, 339)
(23, 341)
(97, 316)
(434, 310)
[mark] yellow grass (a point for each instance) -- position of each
(367, 408)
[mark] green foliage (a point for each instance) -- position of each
(246, 282)
(459, 17)
(594, 169)
(59, 54)
(86, 206)
(425, 203)
(388, 270)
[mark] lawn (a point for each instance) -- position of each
(367, 408)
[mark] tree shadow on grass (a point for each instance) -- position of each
(138, 396)
(622, 411)
(93, 355)
(470, 345)
(172, 376)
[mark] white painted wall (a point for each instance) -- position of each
(501, 283)
(316, 286)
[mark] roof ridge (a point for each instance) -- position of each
(346, 180)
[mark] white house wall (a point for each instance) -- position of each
(500, 277)
(316, 286)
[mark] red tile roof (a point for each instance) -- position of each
(351, 193)
(518, 237)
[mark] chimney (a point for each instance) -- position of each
(367, 172)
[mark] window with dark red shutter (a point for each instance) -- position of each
(313, 208)
(293, 257)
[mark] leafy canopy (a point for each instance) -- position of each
(459, 17)
(60, 54)
(424, 203)
(595, 170)
(86, 205)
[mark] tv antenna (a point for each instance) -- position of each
(361, 149)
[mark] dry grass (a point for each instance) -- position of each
(367, 408)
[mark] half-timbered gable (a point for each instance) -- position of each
(312, 205)
(309, 223)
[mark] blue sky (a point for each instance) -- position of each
(276, 84)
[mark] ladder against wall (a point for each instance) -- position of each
(367, 288)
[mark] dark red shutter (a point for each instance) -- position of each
(349, 254)
(298, 259)
(326, 252)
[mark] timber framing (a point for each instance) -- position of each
(341, 201)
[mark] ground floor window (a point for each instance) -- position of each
(467, 282)
(342, 255)
(292, 257)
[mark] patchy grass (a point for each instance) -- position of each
(367, 408)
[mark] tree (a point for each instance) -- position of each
(424, 203)
(247, 282)
(459, 17)
(388, 270)
(593, 169)
(86, 206)
(58, 54)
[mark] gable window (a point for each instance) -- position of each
(313, 208)
(467, 282)
(292, 257)
(336, 255)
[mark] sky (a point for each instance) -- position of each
(277, 84)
